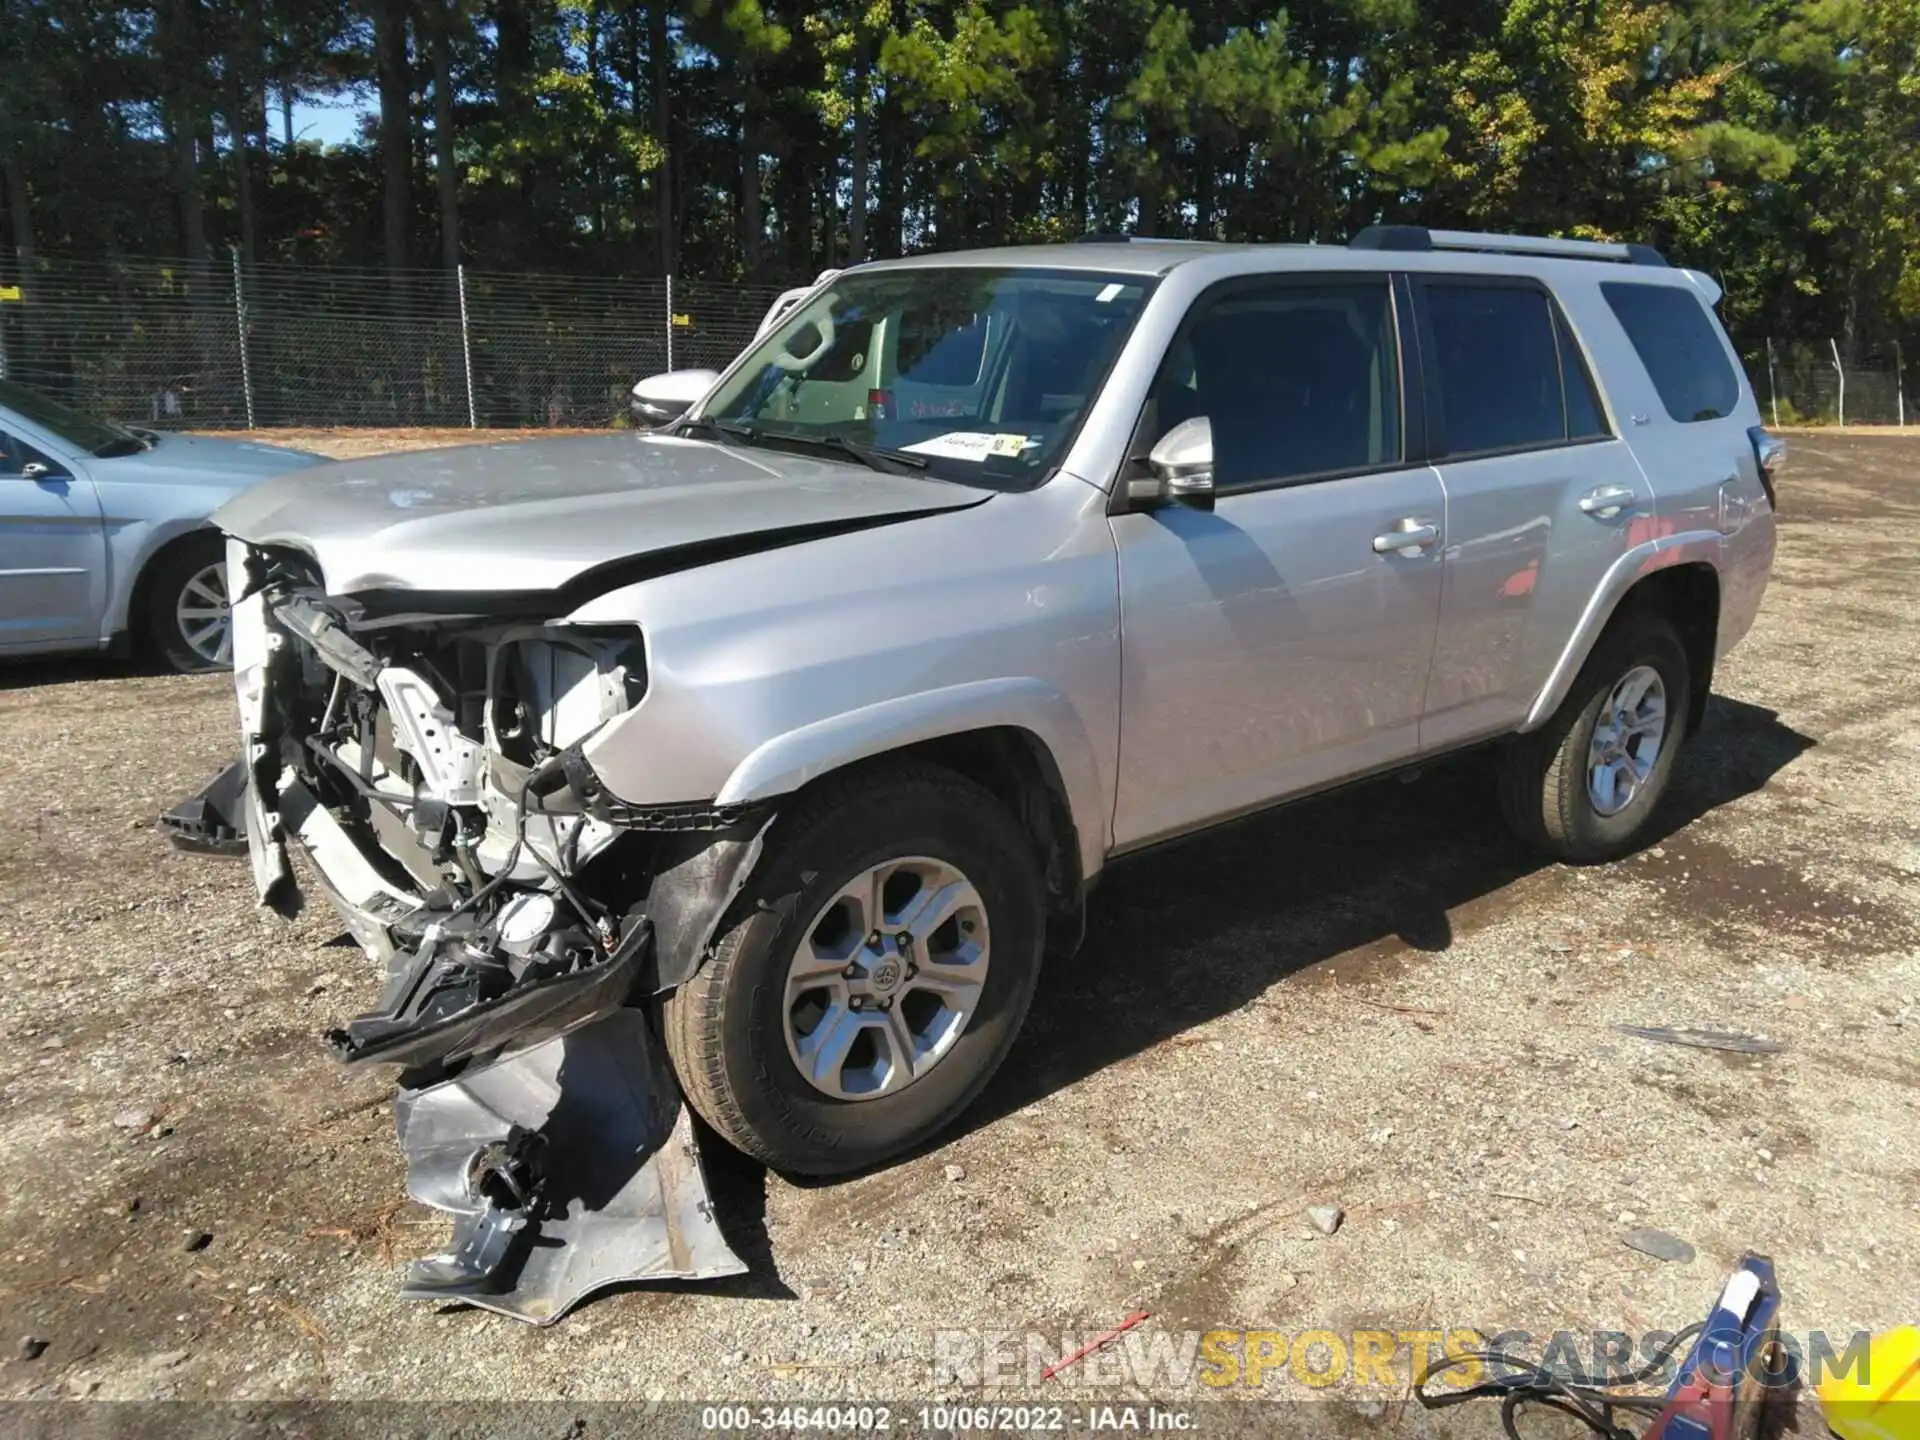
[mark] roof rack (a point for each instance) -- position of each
(1419, 237)
(1118, 237)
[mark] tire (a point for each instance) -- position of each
(1546, 790)
(727, 1031)
(166, 588)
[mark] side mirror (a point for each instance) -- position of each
(1182, 469)
(34, 470)
(660, 398)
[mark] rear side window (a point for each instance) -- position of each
(1499, 367)
(1678, 343)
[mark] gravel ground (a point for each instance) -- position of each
(1372, 1000)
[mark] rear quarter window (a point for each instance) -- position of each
(1679, 344)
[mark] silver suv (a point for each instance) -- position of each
(808, 724)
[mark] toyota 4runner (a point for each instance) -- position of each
(791, 737)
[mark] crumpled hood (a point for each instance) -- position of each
(534, 514)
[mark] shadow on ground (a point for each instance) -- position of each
(75, 670)
(1337, 889)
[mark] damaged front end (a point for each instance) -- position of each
(429, 766)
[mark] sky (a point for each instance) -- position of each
(329, 124)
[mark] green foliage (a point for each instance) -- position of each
(1775, 143)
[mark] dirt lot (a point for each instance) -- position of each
(1374, 1000)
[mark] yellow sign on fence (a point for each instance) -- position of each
(10, 292)
(683, 320)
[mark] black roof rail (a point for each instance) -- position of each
(1419, 237)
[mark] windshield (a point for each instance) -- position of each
(982, 375)
(99, 438)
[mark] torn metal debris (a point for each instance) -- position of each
(569, 1168)
(429, 769)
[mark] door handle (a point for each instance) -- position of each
(1412, 535)
(1607, 502)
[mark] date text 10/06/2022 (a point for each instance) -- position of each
(941, 1419)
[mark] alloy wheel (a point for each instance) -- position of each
(886, 977)
(1626, 740)
(204, 616)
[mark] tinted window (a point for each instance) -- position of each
(1680, 346)
(1584, 420)
(83, 432)
(1498, 367)
(1295, 380)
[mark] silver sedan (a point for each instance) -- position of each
(104, 540)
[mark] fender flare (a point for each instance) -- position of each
(784, 763)
(1685, 547)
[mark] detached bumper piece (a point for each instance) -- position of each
(214, 821)
(561, 1143)
(447, 1002)
(570, 1167)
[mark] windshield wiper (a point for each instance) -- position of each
(119, 447)
(874, 457)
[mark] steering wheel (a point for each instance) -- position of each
(793, 364)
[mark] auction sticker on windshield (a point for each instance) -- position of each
(975, 445)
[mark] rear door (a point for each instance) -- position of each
(1280, 641)
(1543, 496)
(53, 548)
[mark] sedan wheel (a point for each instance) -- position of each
(182, 605)
(204, 616)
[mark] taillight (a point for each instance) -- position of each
(1770, 451)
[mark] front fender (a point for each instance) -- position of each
(132, 546)
(1663, 552)
(786, 762)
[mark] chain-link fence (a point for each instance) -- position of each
(223, 345)
(226, 345)
(1831, 383)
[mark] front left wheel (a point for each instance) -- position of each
(189, 624)
(885, 955)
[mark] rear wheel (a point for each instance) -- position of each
(188, 622)
(885, 964)
(1584, 787)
